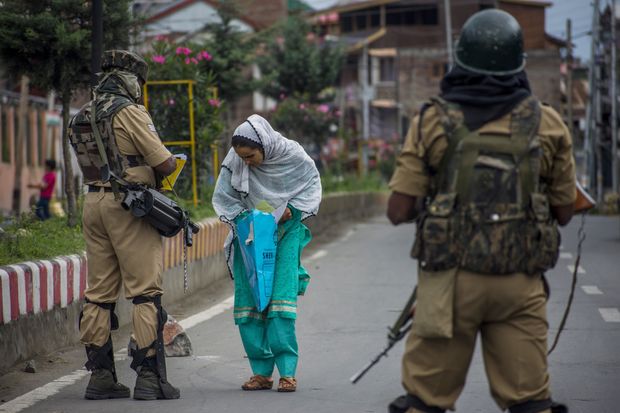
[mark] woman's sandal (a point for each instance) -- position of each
(258, 382)
(287, 384)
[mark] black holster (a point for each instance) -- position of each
(165, 215)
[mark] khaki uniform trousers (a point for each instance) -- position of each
(509, 312)
(121, 249)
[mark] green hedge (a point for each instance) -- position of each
(27, 238)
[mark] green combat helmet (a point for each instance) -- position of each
(125, 60)
(491, 43)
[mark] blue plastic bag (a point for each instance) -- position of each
(258, 236)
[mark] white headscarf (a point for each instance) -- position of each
(286, 175)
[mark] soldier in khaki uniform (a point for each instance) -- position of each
(122, 250)
(495, 172)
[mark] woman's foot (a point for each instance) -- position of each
(258, 382)
(287, 384)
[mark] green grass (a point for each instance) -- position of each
(31, 239)
(352, 183)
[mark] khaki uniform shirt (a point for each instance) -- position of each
(136, 135)
(557, 168)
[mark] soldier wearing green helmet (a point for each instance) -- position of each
(116, 143)
(495, 170)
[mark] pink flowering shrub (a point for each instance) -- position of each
(169, 104)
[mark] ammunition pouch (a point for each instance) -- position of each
(507, 240)
(165, 215)
(436, 246)
(543, 238)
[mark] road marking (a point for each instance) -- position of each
(580, 270)
(41, 393)
(211, 358)
(207, 314)
(566, 255)
(346, 236)
(316, 255)
(610, 315)
(591, 289)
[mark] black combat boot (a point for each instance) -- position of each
(149, 384)
(103, 383)
(103, 386)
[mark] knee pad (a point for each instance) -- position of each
(106, 306)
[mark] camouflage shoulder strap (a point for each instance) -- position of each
(453, 122)
(105, 169)
(524, 123)
(106, 172)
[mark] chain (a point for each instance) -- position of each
(185, 278)
(581, 236)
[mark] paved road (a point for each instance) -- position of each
(359, 283)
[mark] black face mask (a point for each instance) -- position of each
(483, 98)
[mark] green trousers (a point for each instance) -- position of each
(270, 342)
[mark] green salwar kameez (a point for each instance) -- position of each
(269, 337)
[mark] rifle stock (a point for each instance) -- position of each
(395, 333)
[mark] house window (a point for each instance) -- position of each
(387, 69)
(361, 21)
(375, 17)
(412, 15)
(346, 23)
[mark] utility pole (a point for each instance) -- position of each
(366, 95)
(569, 77)
(614, 103)
(448, 19)
(589, 142)
(598, 119)
(97, 40)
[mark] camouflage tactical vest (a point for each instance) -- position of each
(487, 213)
(84, 143)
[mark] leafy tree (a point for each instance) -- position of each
(233, 54)
(296, 62)
(50, 42)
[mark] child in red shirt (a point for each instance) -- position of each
(47, 188)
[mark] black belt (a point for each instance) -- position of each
(94, 188)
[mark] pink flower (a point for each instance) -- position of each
(323, 108)
(159, 59)
(194, 60)
(171, 102)
(187, 61)
(183, 50)
(160, 38)
(215, 102)
(205, 55)
(302, 106)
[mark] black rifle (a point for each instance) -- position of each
(395, 333)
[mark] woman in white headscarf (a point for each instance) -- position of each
(263, 169)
